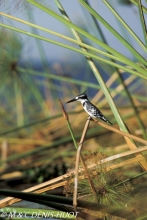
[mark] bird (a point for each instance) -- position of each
(91, 109)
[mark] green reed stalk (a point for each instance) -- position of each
(98, 77)
(120, 78)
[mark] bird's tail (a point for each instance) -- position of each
(106, 120)
(109, 122)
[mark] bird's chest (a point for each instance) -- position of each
(90, 109)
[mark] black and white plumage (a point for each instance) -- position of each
(91, 109)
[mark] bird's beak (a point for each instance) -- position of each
(72, 100)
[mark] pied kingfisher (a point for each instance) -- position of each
(91, 109)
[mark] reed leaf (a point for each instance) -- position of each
(49, 199)
(113, 31)
(91, 37)
(125, 24)
(142, 22)
(87, 54)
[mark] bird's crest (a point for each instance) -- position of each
(83, 94)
